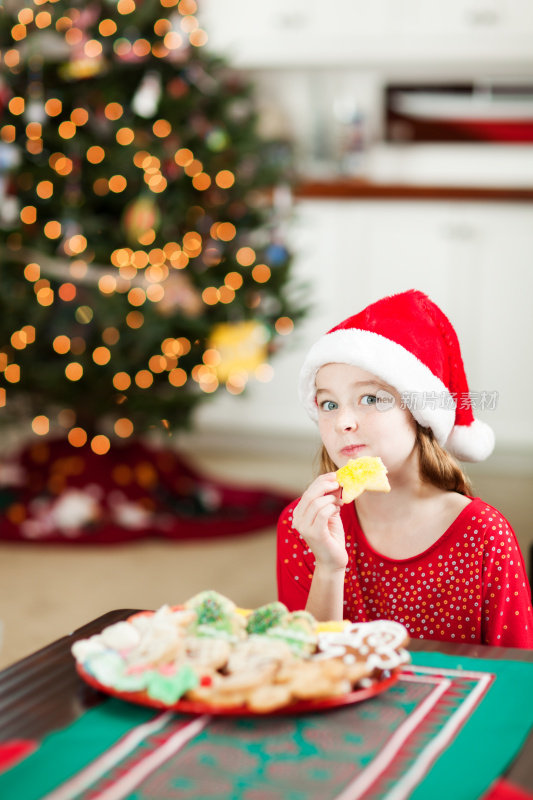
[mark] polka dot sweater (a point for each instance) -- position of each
(469, 586)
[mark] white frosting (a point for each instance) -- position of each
(379, 643)
(121, 636)
(85, 648)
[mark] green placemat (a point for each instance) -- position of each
(317, 756)
(490, 737)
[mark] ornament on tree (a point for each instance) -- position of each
(86, 56)
(5, 94)
(177, 88)
(9, 204)
(146, 99)
(180, 295)
(241, 346)
(140, 216)
(217, 140)
(276, 254)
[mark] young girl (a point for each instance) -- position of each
(390, 382)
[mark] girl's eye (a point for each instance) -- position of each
(328, 405)
(369, 400)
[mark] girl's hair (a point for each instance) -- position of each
(437, 466)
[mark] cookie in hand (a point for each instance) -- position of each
(367, 473)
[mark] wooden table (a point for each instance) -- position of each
(43, 692)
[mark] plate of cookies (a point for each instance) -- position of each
(209, 656)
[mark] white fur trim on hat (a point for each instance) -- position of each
(473, 442)
(388, 361)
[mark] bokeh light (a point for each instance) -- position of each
(123, 427)
(40, 425)
(100, 444)
(77, 437)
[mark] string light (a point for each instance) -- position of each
(18, 32)
(32, 272)
(107, 284)
(225, 179)
(125, 136)
(11, 59)
(135, 320)
(77, 437)
(121, 381)
(45, 297)
(144, 379)
(12, 373)
(43, 19)
(111, 335)
(261, 273)
(61, 344)
(284, 326)
(74, 371)
(53, 107)
(66, 129)
(233, 280)
(28, 215)
(101, 355)
(45, 189)
(67, 292)
(107, 27)
(8, 133)
(113, 111)
(95, 154)
(177, 377)
(79, 116)
(40, 425)
(123, 427)
(18, 340)
(245, 256)
(52, 229)
(100, 444)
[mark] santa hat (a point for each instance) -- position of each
(407, 342)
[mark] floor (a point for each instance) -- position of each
(46, 592)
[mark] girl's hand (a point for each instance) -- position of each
(317, 519)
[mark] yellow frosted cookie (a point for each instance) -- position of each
(361, 474)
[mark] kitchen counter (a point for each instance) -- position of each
(360, 189)
(454, 171)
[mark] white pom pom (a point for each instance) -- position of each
(473, 442)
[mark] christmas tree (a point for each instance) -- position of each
(143, 261)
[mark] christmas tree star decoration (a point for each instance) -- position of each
(143, 221)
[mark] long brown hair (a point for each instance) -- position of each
(437, 466)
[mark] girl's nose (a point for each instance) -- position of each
(347, 420)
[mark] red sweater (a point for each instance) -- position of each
(470, 586)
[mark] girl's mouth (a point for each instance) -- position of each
(352, 450)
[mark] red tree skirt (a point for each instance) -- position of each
(52, 492)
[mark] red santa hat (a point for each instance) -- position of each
(407, 342)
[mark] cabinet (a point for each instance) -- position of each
(352, 32)
(474, 259)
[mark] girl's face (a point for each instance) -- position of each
(360, 415)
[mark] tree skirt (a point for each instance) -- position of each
(51, 492)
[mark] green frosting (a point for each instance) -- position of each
(223, 629)
(169, 688)
(303, 618)
(109, 669)
(211, 607)
(297, 637)
(266, 617)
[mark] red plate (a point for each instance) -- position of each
(190, 707)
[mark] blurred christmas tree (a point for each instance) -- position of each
(143, 262)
